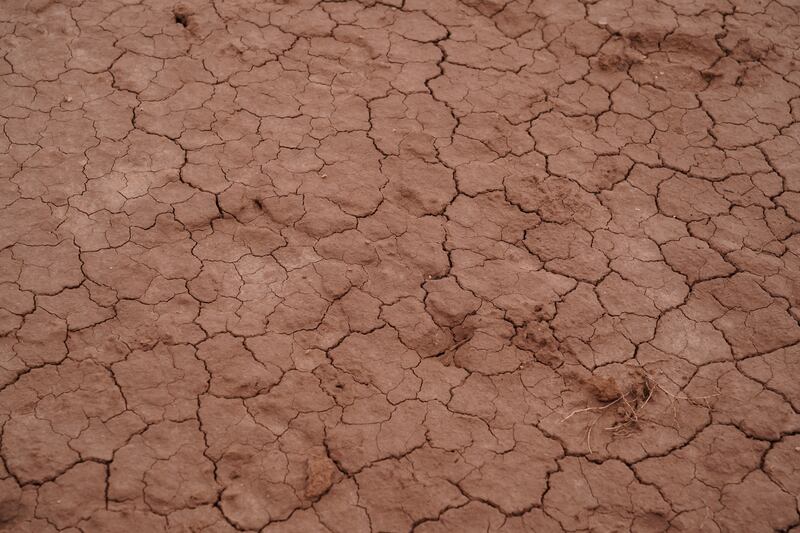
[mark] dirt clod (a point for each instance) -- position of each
(605, 389)
(320, 474)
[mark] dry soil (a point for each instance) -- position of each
(400, 265)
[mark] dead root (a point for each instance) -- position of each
(627, 401)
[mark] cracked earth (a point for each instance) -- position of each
(410, 265)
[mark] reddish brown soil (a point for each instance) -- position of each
(399, 265)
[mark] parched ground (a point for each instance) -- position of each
(407, 265)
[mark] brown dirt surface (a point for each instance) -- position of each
(399, 265)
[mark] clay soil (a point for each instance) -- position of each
(402, 265)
